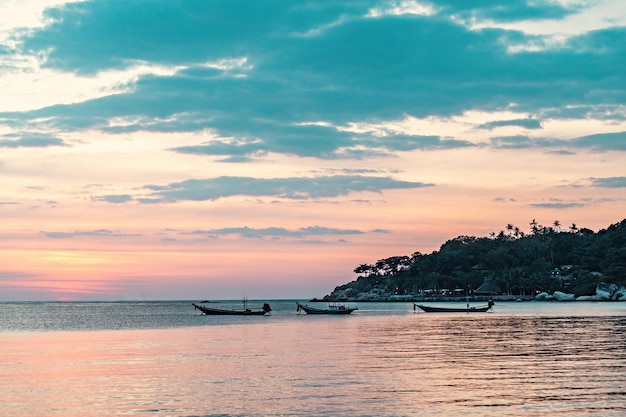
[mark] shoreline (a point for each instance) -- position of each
(421, 299)
(417, 298)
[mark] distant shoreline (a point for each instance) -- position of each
(418, 298)
(445, 299)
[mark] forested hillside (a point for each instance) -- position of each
(546, 259)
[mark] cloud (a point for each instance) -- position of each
(289, 188)
(561, 152)
(21, 276)
(602, 142)
(525, 123)
(318, 141)
(394, 142)
(259, 138)
(610, 182)
(318, 230)
(295, 188)
(599, 143)
(512, 142)
(116, 199)
(77, 233)
(505, 11)
(32, 140)
(208, 30)
(557, 205)
(287, 64)
(277, 232)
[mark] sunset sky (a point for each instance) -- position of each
(221, 149)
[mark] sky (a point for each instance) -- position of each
(219, 149)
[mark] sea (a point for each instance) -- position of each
(163, 358)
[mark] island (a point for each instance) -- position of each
(549, 263)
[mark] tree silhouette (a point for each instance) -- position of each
(534, 227)
(520, 265)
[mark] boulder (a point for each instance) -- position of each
(543, 296)
(620, 294)
(561, 296)
(605, 291)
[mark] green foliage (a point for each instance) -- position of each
(518, 263)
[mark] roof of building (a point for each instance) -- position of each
(488, 287)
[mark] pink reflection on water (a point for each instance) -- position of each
(384, 365)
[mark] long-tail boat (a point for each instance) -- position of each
(245, 311)
(333, 308)
(468, 309)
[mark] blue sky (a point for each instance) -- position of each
(302, 133)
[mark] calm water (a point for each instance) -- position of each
(164, 359)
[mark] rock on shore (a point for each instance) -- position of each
(604, 292)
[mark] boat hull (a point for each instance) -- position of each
(433, 309)
(336, 310)
(220, 312)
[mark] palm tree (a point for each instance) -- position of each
(556, 225)
(534, 227)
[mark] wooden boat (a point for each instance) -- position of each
(333, 308)
(243, 312)
(468, 309)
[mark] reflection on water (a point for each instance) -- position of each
(515, 364)
(378, 362)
